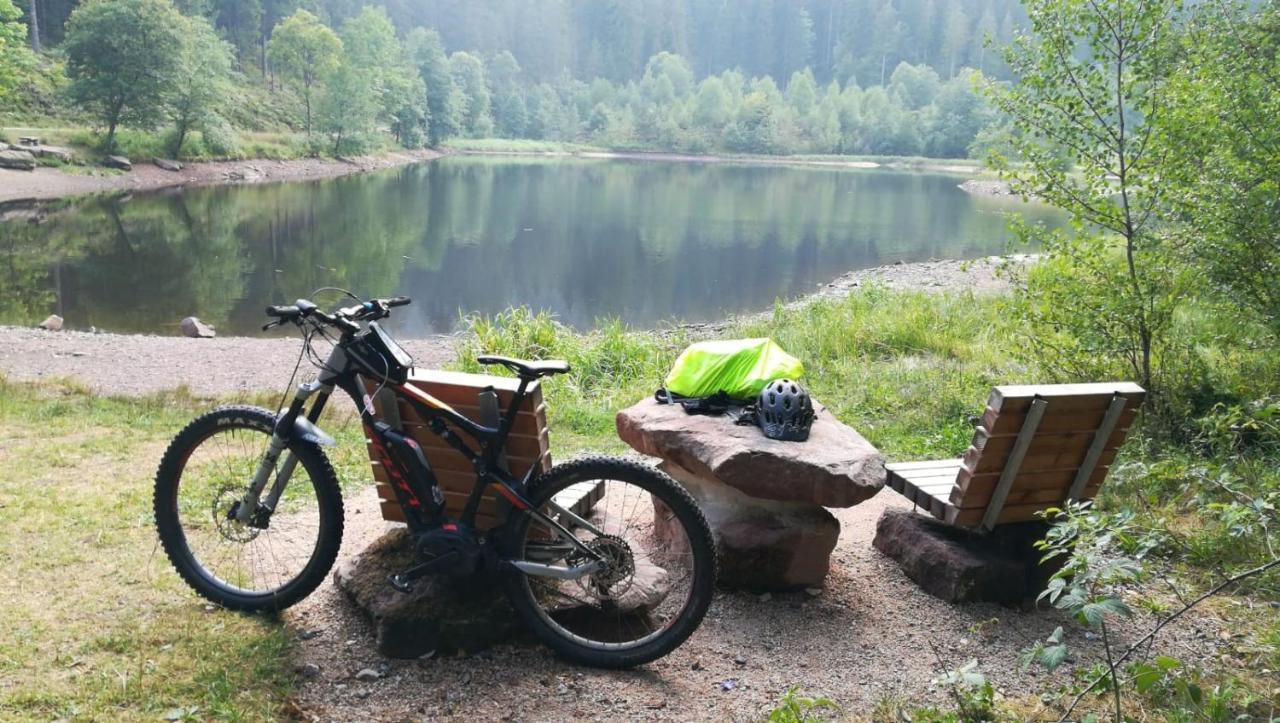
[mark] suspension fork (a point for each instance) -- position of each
(251, 503)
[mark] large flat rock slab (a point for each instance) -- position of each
(835, 467)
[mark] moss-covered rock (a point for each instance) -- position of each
(442, 614)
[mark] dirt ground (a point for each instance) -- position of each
(43, 183)
(131, 364)
(870, 635)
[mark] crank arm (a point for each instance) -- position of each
(561, 573)
(403, 582)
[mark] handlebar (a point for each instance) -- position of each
(343, 318)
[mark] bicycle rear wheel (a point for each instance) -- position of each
(659, 573)
(202, 478)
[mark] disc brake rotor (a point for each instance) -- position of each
(225, 504)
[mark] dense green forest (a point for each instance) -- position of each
(763, 76)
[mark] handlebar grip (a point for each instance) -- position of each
(398, 301)
(282, 312)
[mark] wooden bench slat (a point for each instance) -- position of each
(1007, 424)
(961, 491)
(528, 445)
(1059, 479)
(1038, 458)
(457, 463)
(1063, 397)
(902, 467)
(1011, 513)
(947, 476)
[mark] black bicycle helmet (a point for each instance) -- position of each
(784, 411)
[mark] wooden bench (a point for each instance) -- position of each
(1036, 447)
(528, 445)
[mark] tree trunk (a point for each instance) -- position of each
(180, 135)
(35, 25)
(306, 101)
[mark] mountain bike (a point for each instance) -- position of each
(250, 511)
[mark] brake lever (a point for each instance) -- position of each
(271, 325)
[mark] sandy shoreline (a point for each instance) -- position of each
(930, 165)
(131, 364)
(45, 183)
(48, 183)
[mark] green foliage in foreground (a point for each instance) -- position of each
(907, 369)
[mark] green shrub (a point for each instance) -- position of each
(218, 139)
(796, 708)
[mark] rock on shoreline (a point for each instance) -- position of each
(48, 183)
(987, 187)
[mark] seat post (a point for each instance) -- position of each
(509, 419)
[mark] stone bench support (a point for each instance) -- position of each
(764, 499)
(763, 544)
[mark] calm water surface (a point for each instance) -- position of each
(643, 241)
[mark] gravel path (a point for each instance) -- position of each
(127, 364)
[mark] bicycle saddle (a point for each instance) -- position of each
(527, 369)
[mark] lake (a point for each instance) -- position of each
(645, 241)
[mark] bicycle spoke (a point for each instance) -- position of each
(627, 603)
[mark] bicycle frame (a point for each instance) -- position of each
(415, 489)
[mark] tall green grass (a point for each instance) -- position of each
(907, 369)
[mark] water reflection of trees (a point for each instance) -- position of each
(646, 241)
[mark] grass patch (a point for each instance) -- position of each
(142, 146)
(97, 624)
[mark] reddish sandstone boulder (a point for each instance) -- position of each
(836, 467)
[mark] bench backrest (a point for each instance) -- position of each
(1037, 446)
(528, 445)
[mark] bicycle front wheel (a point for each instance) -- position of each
(658, 572)
(204, 475)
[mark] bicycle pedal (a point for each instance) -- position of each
(403, 582)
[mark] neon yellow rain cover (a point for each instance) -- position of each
(738, 367)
